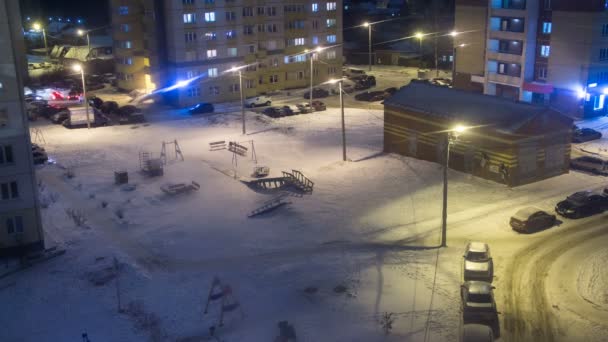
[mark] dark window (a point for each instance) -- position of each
(6, 154)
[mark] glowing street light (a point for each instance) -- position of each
(452, 136)
(81, 33)
(454, 33)
(369, 40)
(79, 68)
(339, 81)
(38, 27)
(419, 36)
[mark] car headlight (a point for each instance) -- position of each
(570, 211)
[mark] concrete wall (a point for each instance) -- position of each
(470, 59)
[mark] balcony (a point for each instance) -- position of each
(509, 4)
(507, 35)
(504, 79)
(504, 57)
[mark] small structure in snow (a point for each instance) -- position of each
(180, 188)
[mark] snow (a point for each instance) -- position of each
(593, 281)
(370, 225)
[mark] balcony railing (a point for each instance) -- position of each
(504, 79)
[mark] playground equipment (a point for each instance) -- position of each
(180, 188)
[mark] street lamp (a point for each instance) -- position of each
(240, 73)
(79, 68)
(37, 27)
(452, 136)
(312, 57)
(454, 60)
(81, 33)
(369, 40)
(419, 36)
(339, 81)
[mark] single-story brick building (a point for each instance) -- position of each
(509, 142)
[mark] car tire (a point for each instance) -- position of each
(268, 103)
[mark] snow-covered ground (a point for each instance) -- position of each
(369, 228)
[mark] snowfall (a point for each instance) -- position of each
(334, 263)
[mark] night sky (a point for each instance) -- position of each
(95, 12)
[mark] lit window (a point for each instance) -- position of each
(331, 6)
(598, 102)
(210, 36)
(331, 54)
(189, 18)
(331, 23)
(546, 27)
(299, 41)
(315, 7)
(315, 40)
(232, 52)
(125, 27)
(545, 50)
(230, 34)
(126, 44)
(214, 90)
(211, 53)
(123, 10)
(212, 72)
(191, 74)
(209, 17)
(190, 37)
(331, 38)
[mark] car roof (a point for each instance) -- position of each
(579, 196)
(476, 246)
(478, 287)
(477, 333)
(525, 213)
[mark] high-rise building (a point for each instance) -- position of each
(20, 224)
(160, 43)
(540, 51)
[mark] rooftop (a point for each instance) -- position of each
(466, 107)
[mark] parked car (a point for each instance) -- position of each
(98, 121)
(590, 164)
(127, 110)
(477, 333)
(48, 110)
(531, 219)
(477, 262)
(585, 134)
(39, 154)
(391, 90)
(371, 96)
(258, 101)
(442, 82)
(109, 107)
(304, 107)
(273, 112)
(288, 110)
(60, 117)
(132, 118)
(365, 82)
(95, 102)
(319, 106)
(349, 72)
(202, 108)
(317, 93)
(581, 204)
(478, 303)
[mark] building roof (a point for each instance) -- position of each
(469, 108)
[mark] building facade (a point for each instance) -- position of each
(161, 43)
(536, 51)
(20, 223)
(509, 142)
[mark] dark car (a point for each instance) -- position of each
(581, 204)
(317, 93)
(390, 91)
(273, 112)
(39, 154)
(371, 96)
(594, 165)
(48, 110)
(202, 108)
(95, 102)
(109, 107)
(127, 110)
(585, 134)
(131, 118)
(60, 117)
(531, 219)
(365, 82)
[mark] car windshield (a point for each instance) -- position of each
(480, 298)
(477, 256)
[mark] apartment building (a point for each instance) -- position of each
(552, 52)
(20, 224)
(162, 43)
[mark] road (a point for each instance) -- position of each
(529, 313)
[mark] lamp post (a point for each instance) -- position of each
(454, 60)
(339, 81)
(38, 27)
(312, 57)
(79, 68)
(369, 40)
(419, 36)
(81, 33)
(451, 137)
(240, 73)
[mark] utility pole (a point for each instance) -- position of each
(436, 29)
(444, 213)
(369, 39)
(343, 124)
(242, 101)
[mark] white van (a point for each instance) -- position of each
(261, 100)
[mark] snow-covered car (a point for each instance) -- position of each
(580, 135)
(478, 264)
(288, 110)
(257, 101)
(478, 303)
(531, 219)
(477, 333)
(582, 204)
